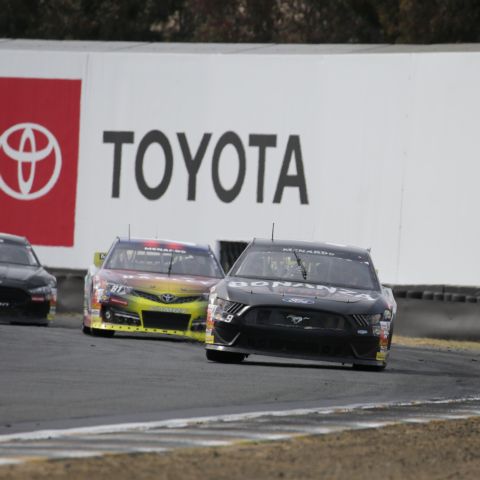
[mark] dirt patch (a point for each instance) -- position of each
(440, 450)
(435, 343)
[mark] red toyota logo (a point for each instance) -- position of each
(39, 135)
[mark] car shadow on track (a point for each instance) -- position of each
(320, 366)
(24, 324)
(153, 338)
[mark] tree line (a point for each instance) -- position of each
(252, 21)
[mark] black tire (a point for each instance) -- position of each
(97, 332)
(86, 330)
(225, 357)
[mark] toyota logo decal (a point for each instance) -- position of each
(27, 156)
(168, 297)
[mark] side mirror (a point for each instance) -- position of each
(98, 258)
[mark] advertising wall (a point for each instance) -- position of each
(372, 149)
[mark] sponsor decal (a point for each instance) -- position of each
(384, 334)
(316, 289)
(171, 310)
(292, 174)
(381, 356)
(39, 135)
(210, 312)
(385, 326)
(119, 301)
(99, 295)
(118, 289)
(168, 297)
(164, 250)
(308, 251)
(302, 301)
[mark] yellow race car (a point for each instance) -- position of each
(149, 285)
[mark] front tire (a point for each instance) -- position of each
(225, 357)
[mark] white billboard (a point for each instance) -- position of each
(376, 150)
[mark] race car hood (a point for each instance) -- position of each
(291, 293)
(155, 282)
(13, 275)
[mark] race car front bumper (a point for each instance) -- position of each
(146, 317)
(19, 306)
(321, 344)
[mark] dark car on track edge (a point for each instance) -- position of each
(28, 293)
(315, 301)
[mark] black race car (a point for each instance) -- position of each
(315, 301)
(28, 293)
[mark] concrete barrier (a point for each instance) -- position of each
(438, 319)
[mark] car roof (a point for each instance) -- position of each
(331, 247)
(165, 243)
(14, 239)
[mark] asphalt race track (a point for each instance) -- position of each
(57, 377)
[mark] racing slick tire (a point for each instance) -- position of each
(225, 357)
(97, 332)
(86, 330)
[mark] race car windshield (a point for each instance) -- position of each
(163, 260)
(17, 255)
(295, 265)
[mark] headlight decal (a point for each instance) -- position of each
(379, 323)
(217, 311)
(220, 313)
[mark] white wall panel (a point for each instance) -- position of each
(389, 144)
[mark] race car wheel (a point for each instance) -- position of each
(102, 333)
(225, 357)
(86, 330)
